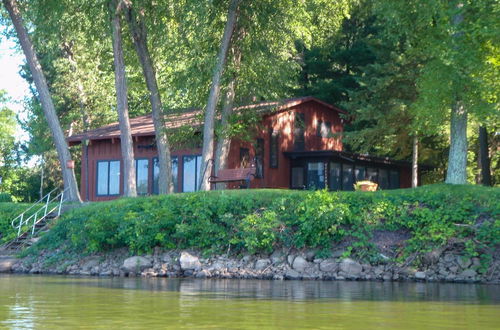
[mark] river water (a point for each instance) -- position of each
(51, 302)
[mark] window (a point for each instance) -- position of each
(315, 175)
(394, 179)
(190, 173)
(244, 158)
(372, 174)
(142, 176)
(156, 174)
(359, 173)
(347, 177)
(334, 179)
(274, 149)
(108, 178)
(299, 131)
(324, 129)
(297, 178)
(383, 178)
(259, 159)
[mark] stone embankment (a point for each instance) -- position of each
(280, 265)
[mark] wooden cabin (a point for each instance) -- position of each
(296, 145)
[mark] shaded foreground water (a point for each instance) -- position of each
(87, 302)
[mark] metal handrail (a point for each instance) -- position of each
(41, 200)
(44, 209)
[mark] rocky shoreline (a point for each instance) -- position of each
(280, 265)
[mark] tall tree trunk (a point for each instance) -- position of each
(139, 36)
(414, 163)
(126, 143)
(484, 158)
(457, 159)
(213, 98)
(70, 185)
(224, 141)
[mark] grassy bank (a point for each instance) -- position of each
(250, 221)
(8, 211)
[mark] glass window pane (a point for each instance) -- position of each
(315, 175)
(142, 176)
(274, 149)
(198, 168)
(298, 177)
(156, 174)
(189, 173)
(102, 178)
(347, 177)
(394, 179)
(114, 177)
(175, 169)
(299, 131)
(359, 173)
(334, 178)
(259, 159)
(372, 174)
(383, 179)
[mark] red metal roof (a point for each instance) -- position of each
(143, 125)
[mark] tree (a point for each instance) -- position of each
(139, 36)
(213, 98)
(64, 155)
(455, 40)
(126, 143)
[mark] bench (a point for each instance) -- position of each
(234, 175)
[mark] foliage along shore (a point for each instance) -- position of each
(441, 230)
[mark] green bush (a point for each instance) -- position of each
(261, 220)
(5, 198)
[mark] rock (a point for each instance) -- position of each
(90, 263)
(277, 257)
(463, 262)
(469, 273)
(350, 267)
(453, 269)
(328, 265)
(310, 254)
(299, 264)
(290, 258)
(136, 264)
(448, 258)
(6, 264)
(189, 262)
(291, 274)
(378, 270)
(202, 274)
(262, 264)
(420, 275)
(337, 253)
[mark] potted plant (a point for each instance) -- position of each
(365, 185)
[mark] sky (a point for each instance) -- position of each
(11, 81)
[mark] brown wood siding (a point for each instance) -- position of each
(281, 121)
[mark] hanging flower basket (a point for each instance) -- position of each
(365, 186)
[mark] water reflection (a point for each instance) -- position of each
(301, 290)
(28, 302)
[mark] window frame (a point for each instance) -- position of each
(156, 159)
(137, 176)
(108, 161)
(274, 134)
(260, 146)
(195, 170)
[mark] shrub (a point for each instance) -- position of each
(5, 198)
(261, 220)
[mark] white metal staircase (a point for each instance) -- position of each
(35, 219)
